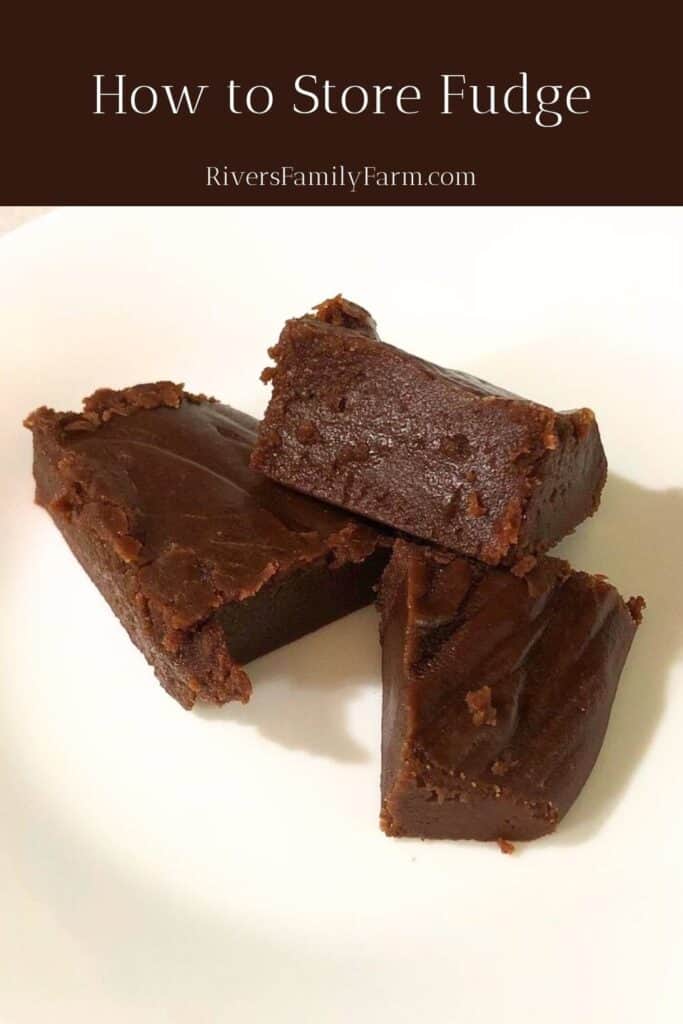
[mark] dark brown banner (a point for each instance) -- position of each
(567, 108)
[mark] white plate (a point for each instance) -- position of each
(157, 865)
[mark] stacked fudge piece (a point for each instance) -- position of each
(499, 663)
(215, 540)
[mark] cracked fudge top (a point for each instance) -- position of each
(162, 477)
(497, 689)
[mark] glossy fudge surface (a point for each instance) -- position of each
(497, 689)
(206, 563)
(432, 452)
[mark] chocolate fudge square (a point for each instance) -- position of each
(497, 689)
(431, 452)
(206, 563)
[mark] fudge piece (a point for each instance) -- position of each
(431, 452)
(497, 689)
(206, 563)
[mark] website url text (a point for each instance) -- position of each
(337, 176)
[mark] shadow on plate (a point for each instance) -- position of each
(636, 540)
(302, 692)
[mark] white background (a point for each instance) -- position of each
(226, 864)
